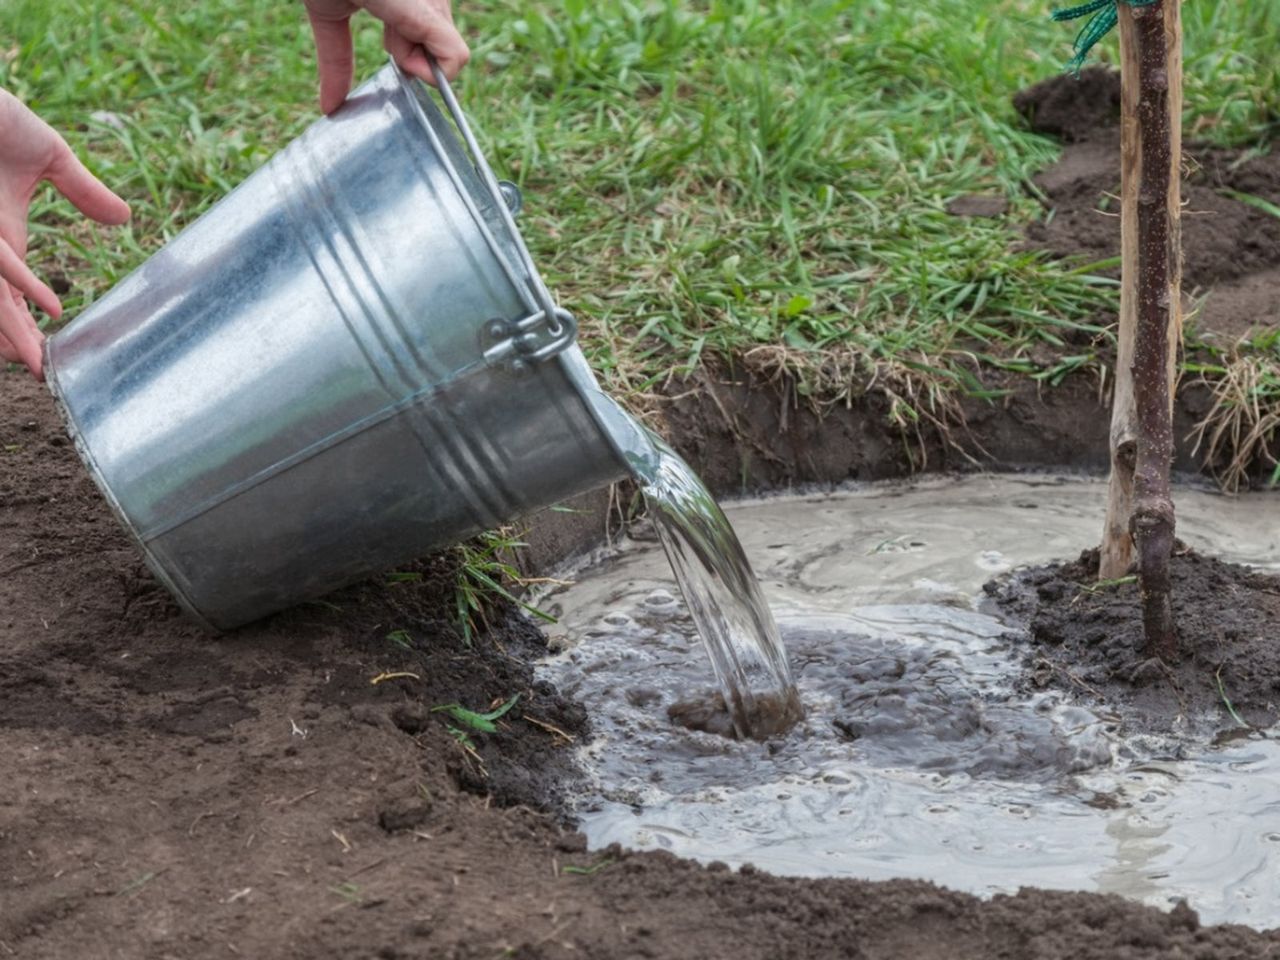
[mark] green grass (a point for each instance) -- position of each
(487, 575)
(1226, 701)
(749, 175)
(758, 181)
(591, 870)
(469, 721)
(479, 722)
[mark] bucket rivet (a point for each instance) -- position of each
(511, 196)
(497, 329)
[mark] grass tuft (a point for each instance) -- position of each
(485, 571)
(1240, 427)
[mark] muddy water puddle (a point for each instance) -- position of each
(918, 757)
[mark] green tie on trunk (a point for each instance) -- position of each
(1099, 25)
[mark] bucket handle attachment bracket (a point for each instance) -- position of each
(532, 339)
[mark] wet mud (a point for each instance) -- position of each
(768, 716)
(1086, 637)
(931, 747)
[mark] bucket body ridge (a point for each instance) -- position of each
(296, 392)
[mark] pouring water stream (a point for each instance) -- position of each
(720, 589)
(724, 599)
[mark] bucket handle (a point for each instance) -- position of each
(560, 324)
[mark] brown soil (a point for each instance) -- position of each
(170, 794)
(1232, 249)
(1087, 638)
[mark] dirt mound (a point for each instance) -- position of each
(110, 634)
(1072, 108)
(1086, 637)
(1231, 247)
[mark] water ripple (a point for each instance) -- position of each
(918, 758)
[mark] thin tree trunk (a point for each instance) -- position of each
(1116, 554)
(1157, 307)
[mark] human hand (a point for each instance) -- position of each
(30, 151)
(411, 30)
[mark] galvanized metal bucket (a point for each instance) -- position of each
(348, 362)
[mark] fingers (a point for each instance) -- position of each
(335, 59)
(409, 55)
(412, 57)
(89, 194)
(413, 30)
(20, 339)
(7, 351)
(19, 276)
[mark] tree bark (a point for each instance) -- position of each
(1116, 556)
(1156, 29)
